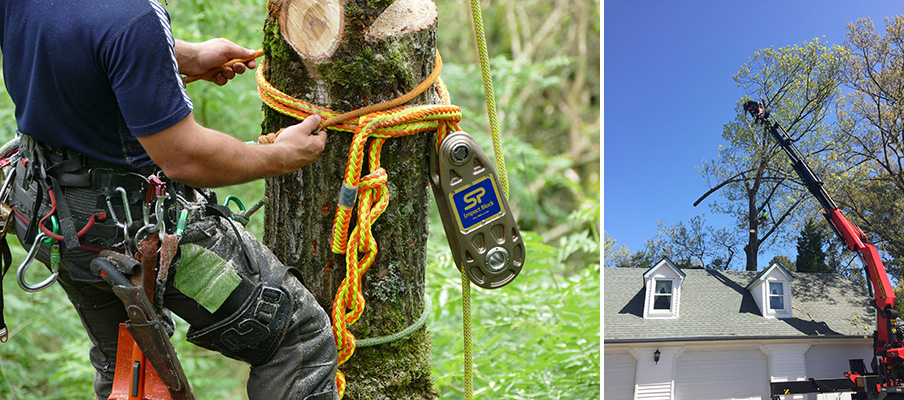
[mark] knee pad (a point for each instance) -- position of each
(253, 333)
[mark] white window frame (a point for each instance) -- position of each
(770, 312)
(781, 296)
(655, 295)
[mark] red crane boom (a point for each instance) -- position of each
(887, 379)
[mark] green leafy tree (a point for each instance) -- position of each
(872, 119)
(810, 254)
(694, 244)
(796, 84)
(784, 261)
(617, 255)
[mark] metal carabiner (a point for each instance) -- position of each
(125, 207)
(127, 210)
(7, 185)
(158, 227)
(23, 268)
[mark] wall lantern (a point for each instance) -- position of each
(656, 355)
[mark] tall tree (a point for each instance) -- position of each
(796, 84)
(694, 244)
(810, 254)
(343, 56)
(872, 116)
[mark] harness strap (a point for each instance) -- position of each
(80, 192)
(45, 174)
(67, 225)
(32, 230)
(272, 274)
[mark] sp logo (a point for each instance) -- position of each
(473, 198)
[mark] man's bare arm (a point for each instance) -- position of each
(192, 154)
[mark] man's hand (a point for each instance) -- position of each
(199, 58)
(304, 142)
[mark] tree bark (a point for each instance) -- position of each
(344, 56)
(753, 241)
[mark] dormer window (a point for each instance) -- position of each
(662, 288)
(662, 298)
(772, 292)
(777, 296)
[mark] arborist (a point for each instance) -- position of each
(110, 157)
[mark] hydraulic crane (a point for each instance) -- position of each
(886, 381)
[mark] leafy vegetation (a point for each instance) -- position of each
(537, 338)
(810, 254)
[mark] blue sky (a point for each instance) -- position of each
(668, 90)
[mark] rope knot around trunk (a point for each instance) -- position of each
(370, 126)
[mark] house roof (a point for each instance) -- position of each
(717, 305)
(665, 263)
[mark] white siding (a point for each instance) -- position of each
(831, 360)
(787, 361)
(825, 361)
(722, 375)
(619, 376)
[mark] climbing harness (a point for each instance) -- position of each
(123, 211)
(5, 222)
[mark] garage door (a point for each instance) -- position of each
(722, 375)
(618, 371)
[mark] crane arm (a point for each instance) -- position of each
(850, 234)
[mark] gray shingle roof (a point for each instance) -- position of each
(715, 304)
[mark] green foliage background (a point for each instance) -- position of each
(537, 338)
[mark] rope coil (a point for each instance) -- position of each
(374, 125)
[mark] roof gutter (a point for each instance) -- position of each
(730, 338)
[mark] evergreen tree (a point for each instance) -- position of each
(810, 254)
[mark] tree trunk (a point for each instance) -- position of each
(344, 56)
(753, 241)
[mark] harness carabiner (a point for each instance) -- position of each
(23, 268)
(122, 225)
(243, 216)
(7, 185)
(125, 205)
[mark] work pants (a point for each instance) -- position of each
(304, 363)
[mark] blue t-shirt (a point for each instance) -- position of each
(91, 75)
